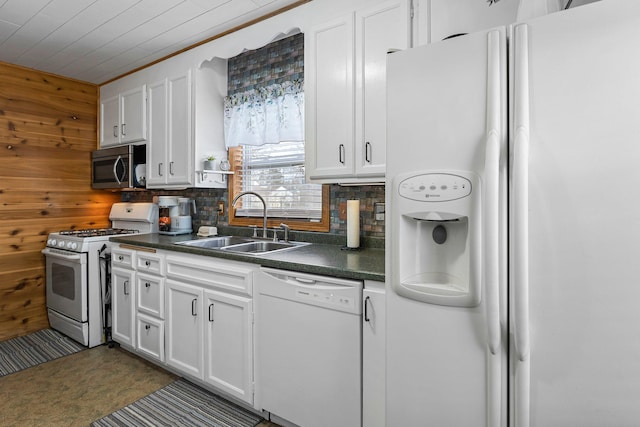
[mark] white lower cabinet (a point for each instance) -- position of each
(209, 322)
(123, 310)
(184, 323)
(229, 343)
(150, 337)
(150, 308)
(373, 355)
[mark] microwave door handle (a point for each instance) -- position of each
(115, 170)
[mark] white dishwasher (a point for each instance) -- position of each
(309, 348)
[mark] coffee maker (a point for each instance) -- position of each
(181, 223)
(167, 208)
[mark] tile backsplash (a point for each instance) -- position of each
(207, 201)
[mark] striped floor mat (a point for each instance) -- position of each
(180, 404)
(24, 352)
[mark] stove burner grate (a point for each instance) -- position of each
(93, 232)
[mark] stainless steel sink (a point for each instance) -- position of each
(262, 247)
(215, 242)
(242, 245)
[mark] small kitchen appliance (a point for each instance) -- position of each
(167, 208)
(77, 291)
(181, 224)
(119, 167)
(175, 215)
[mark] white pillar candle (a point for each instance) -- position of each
(353, 223)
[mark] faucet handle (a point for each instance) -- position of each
(285, 227)
(255, 230)
(275, 234)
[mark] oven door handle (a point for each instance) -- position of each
(55, 254)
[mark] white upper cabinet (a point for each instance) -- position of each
(329, 99)
(378, 30)
(345, 92)
(182, 104)
(123, 117)
(170, 146)
(438, 19)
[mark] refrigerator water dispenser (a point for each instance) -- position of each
(437, 255)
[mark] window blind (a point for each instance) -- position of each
(276, 172)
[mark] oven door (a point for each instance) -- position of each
(66, 283)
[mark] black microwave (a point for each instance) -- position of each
(122, 166)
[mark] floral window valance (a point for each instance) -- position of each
(266, 115)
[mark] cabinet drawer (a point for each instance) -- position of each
(121, 257)
(150, 262)
(150, 337)
(150, 294)
(212, 273)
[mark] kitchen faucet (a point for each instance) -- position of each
(264, 209)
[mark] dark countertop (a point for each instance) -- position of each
(316, 258)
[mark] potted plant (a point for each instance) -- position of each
(208, 163)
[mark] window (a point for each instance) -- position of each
(276, 172)
(264, 132)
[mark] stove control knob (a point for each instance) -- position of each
(51, 242)
(73, 245)
(61, 244)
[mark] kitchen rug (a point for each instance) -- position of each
(30, 350)
(180, 403)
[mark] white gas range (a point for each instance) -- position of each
(77, 283)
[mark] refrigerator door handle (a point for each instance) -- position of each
(520, 223)
(491, 225)
(520, 195)
(492, 193)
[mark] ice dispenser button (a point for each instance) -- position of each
(442, 187)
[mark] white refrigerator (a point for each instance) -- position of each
(513, 235)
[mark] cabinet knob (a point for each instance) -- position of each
(147, 263)
(120, 258)
(147, 284)
(147, 327)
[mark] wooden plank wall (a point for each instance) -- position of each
(47, 131)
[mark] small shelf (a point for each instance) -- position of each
(218, 172)
(223, 174)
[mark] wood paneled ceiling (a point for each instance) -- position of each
(98, 40)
